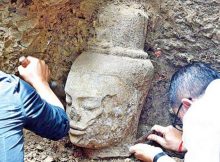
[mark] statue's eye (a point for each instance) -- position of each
(90, 103)
(68, 99)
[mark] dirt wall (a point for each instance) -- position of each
(180, 32)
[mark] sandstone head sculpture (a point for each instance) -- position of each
(107, 84)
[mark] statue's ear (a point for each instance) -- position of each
(186, 103)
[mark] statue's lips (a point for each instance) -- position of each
(77, 129)
(76, 132)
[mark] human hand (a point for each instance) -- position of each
(144, 152)
(34, 71)
(171, 138)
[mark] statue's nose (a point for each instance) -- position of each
(77, 117)
(74, 115)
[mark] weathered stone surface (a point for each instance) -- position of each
(107, 85)
(119, 25)
(187, 29)
(104, 98)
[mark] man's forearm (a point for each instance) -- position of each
(47, 94)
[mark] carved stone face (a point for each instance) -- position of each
(100, 108)
(108, 83)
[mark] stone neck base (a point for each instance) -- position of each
(119, 51)
(120, 151)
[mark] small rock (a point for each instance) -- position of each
(127, 160)
(64, 159)
(39, 148)
(49, 159)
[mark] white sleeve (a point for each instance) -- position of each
(202, 149)
(201, 127)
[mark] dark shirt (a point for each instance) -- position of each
(22, 107)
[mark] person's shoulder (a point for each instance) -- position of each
(3, 74)
(213, 87)
(212, 102)
(8, 80)
(215, 82)
(7, 76)
(212, 94)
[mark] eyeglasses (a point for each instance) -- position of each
(177, 122)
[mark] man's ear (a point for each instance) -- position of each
(186, 103)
